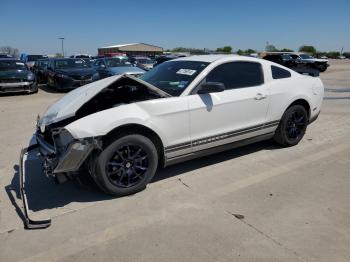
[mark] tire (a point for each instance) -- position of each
(35, 89)
(126, 165)
(323, 68)
(292, 126)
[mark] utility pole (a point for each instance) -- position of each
(62, 38)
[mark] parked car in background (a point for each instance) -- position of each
(163, 58)
(40, 70)
(81, 56)
(295, 64)
(110, 66)
(29, 60)
(69, 73)
(143, 62)
(6, 56)
(122, 128)
(16, 77)
(319, 64)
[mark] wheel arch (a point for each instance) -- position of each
(303, 102)
(128, 129)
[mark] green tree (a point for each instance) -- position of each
(287, 50)
(58, 55)
(308, 49)
(240, 52)
(333, 54)
(271, 48)
(225, 49)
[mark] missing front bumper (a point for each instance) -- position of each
(29, 223)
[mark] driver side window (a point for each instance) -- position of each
(237, 74)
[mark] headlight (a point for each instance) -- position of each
(96, 76)
(30, 77)
(62, 76)
(47, 119)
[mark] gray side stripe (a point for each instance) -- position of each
(222, 136)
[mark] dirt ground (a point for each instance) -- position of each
(256, 203)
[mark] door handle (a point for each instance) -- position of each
(260, 96)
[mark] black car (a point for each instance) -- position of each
(39, 69)
(295, 64)
(69, 73)
(163, 58)
(5, 56)
(311, 62)
(16, 77)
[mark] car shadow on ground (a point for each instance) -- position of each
(44, 194)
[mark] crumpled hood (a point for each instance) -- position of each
(15, 74)
(69, 104)
(126, 70)
(77, 71)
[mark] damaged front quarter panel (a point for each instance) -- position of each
(67, 154)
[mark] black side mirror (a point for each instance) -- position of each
(211, 87)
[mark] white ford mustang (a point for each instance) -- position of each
(121, 129)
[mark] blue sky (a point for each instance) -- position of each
(34, 26)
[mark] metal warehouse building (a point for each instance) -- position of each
(132, 49)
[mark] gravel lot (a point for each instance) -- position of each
(257, 203)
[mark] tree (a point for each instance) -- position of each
(333, 54)
(346, 54)
(240, 52)
(245, 52)
(308, 49)
(287, 50)
(225, 49)
(271, 48)
(9, 50)
(58, 55)
(193, 51)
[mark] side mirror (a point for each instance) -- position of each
(211, 87)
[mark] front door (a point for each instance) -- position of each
(237, 113)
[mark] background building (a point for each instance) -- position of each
(132, 49)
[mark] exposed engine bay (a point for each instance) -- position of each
(124, 91)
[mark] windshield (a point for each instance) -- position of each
(304, 56)
(286, 57)
(174, 76)
(42, 62)
(116, 62)
(11, 65)
(70, 63)
(35, 57)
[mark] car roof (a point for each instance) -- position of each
(213, 58)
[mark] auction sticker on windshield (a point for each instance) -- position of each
(188, 72)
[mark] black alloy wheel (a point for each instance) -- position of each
(296, 124)
(292, 126)
(127, 166)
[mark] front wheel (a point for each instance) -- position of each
(126, 165)
(292, 126)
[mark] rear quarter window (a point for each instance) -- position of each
(279, 73)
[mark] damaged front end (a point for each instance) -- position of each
(64, 155)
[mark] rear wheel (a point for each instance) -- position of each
(126, 165)
(292, 126)
(322, 68)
